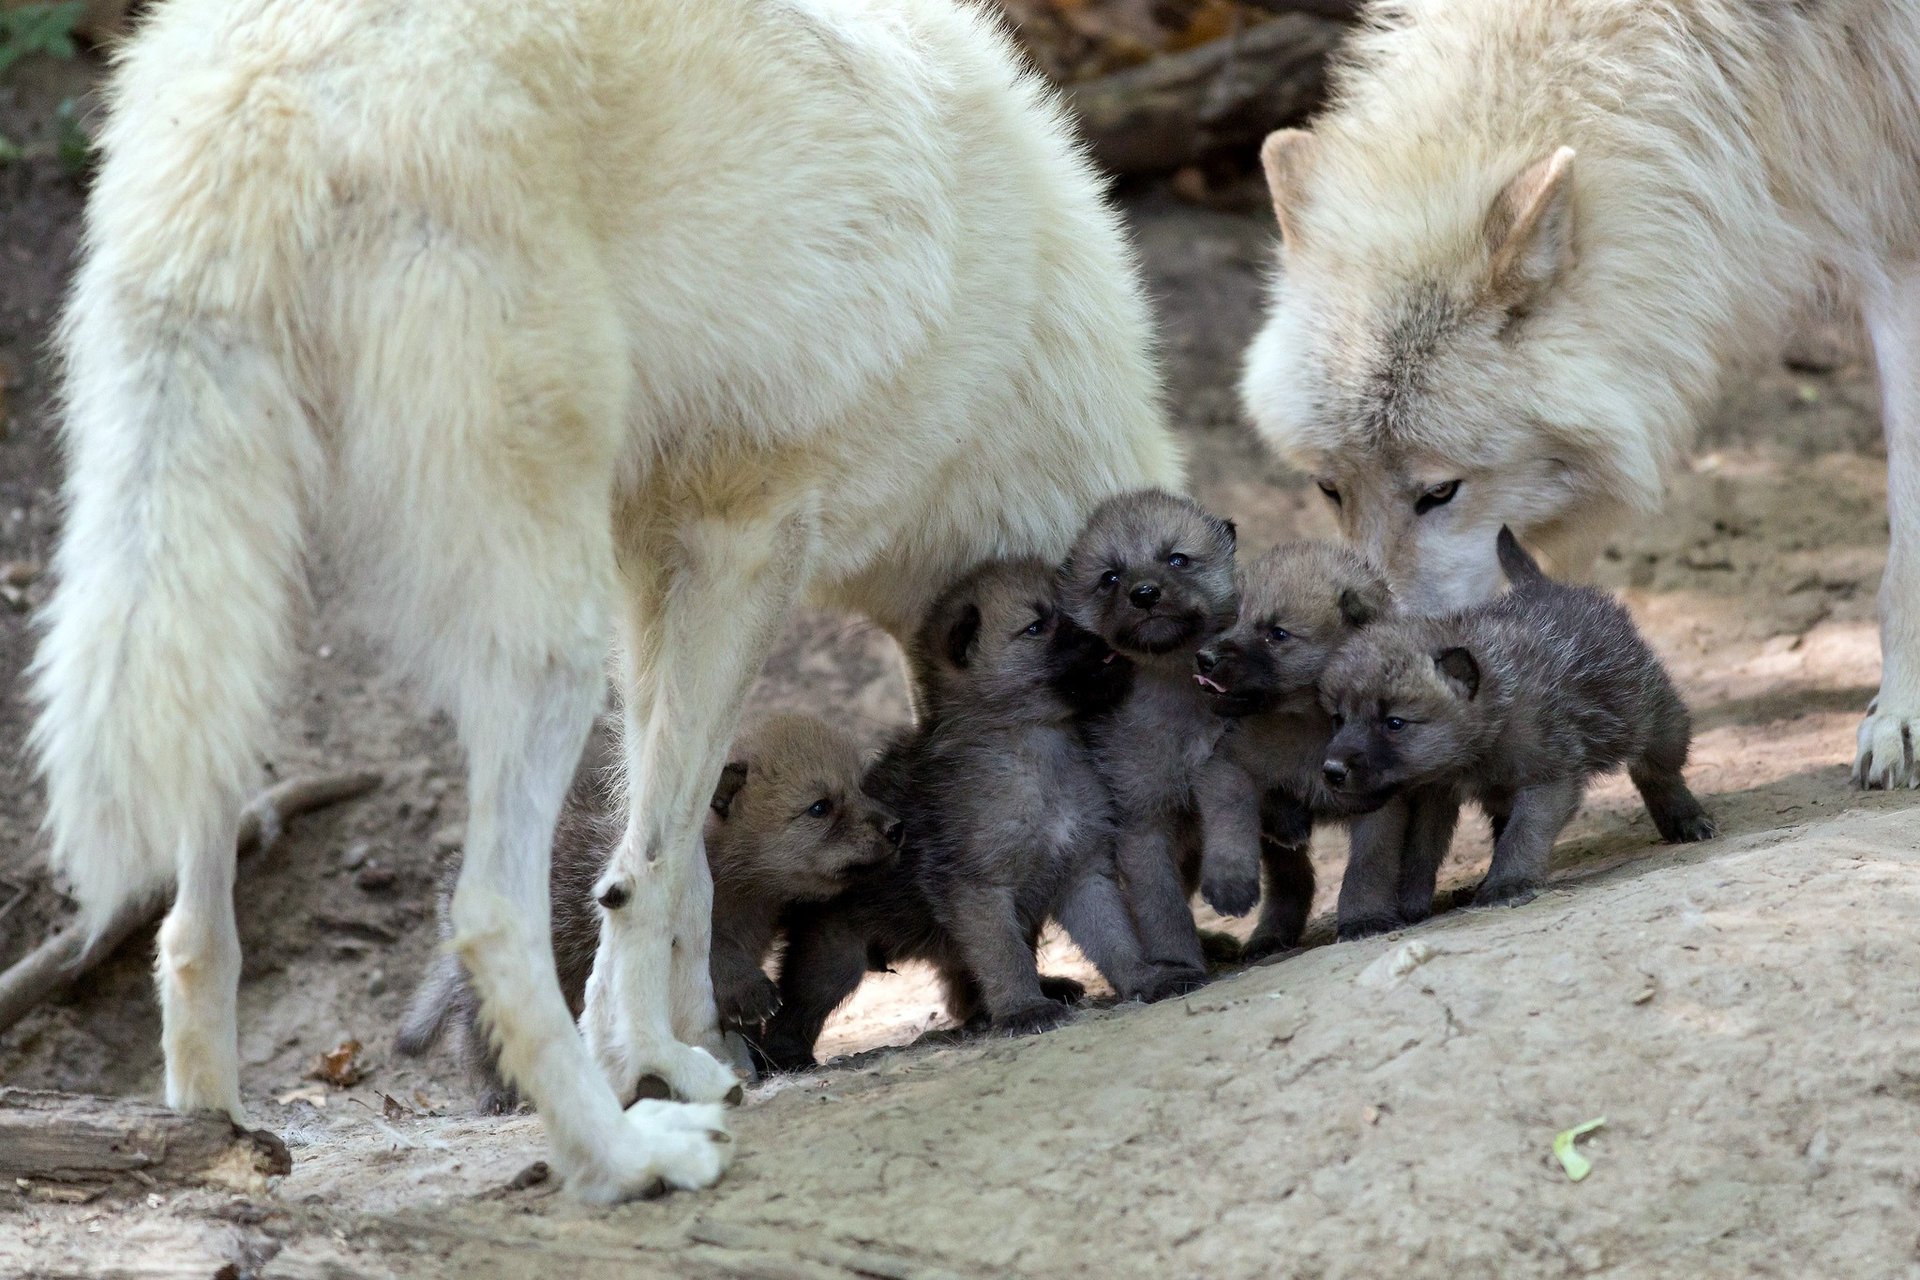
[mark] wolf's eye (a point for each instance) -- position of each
(1436, 495)
(1178, 561)
(1331, 490)
(1277, 634)
(1035, 627)
(1395, 724)
(820, 808)
(1109, 578)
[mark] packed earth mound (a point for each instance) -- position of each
(1741, 1013)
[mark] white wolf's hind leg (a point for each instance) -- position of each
(1887, 755)
(703, 610)
(198, 973)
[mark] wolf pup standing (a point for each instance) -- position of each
(1264, 789)
(1530, 239)
(1152, 575)
(789, 822)
(582, 325)
(1516, 704)
(1007, 824)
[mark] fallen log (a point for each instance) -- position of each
(1175, 110)
(67, 955)
(70, 1139)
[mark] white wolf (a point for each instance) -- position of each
(1530, 239)
(586, 326)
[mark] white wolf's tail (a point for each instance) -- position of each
(188, 459)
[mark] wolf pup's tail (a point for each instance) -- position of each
(189, 459)
(1522, 570)
(432, 1006)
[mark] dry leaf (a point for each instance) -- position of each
(338, 1066)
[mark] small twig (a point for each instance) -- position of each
(20, 892)
(65, 956)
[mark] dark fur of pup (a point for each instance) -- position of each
(1152, 574)
(1008, 823)
(789, 822)
(1264, 788)
(1516, 704)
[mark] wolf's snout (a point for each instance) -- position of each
(1206, 660)
(1145, 595)
(1335, 773)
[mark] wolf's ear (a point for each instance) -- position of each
(1228, 530)
(1286, 156)
(1529, 232)
(1361, 605)
(1457, 668)
(961, 635)
(732, 778)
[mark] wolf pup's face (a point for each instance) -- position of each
(1152, 574)
(997, 639)
(1406, 711)
(790, 813)
(1298, 604)
(1409, 363)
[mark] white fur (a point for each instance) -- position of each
(1725, 151)
(580, 326)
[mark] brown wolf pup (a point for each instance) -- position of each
(788, 823)
(1264, 789)
(1516, 704)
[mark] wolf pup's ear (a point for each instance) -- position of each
(1457, 668)
(961, 635)
(1529, 233)
(1361, 605)
(732, 778)
(1286, 156)
(1227, 530)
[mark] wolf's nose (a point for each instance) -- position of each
(1144, 596)
(1336, 773)
(1206, 660)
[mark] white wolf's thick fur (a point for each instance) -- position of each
(1456, 304)
(583, 325)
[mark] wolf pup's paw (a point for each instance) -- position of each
(1886, 758)
(1367, 927)
(658, 1146)
(1173, 980)
(1686, 828)
(1044, 1016)
(1509, 893)
(1062, 990)
(1231, 893)
(749, 1004)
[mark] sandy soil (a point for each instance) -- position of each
(1742, 1013)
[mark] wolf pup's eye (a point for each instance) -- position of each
(1277, 634)
(1035, 627)
(1331, 490)
(820, 808)
(1436, 495)
(1395, 724)
(1178, 561)
(1110, 577)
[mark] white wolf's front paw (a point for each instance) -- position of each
(678, 1070)
(659, 1145)
(1886, 759)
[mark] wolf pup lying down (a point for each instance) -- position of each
(1264, 789)
(1152, 575)
(788, 823)
(1007, 824)
(1516, 704)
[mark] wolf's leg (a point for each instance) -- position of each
(1094, 914)
(1146, 854)
(198, 973)
(706, 597)
(1288, 900)
(1229, 803)
(1677, 814)
(1526, 841)
(825, 962)
(1370, 890)
(1886, 750)
(985, 923)
(1434, 815)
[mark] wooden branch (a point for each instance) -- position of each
(66, 1138)
(66, 955)
(1232, 92)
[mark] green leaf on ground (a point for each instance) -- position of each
(1576, 1165)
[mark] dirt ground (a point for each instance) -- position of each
(1742, 1013)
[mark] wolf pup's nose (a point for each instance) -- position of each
(1144, 596)
(1336, 773)
(1206, 660)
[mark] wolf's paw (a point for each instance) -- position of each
(658, 1146)
(1506, 893)
(1044, 1016)
(1172, 980)
(670, 1070)
(1885, 760)
(749, 1004)
(1367, 927)
(1686, 828)
(1263, 944)
(1062, 990)
(1232, 894)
